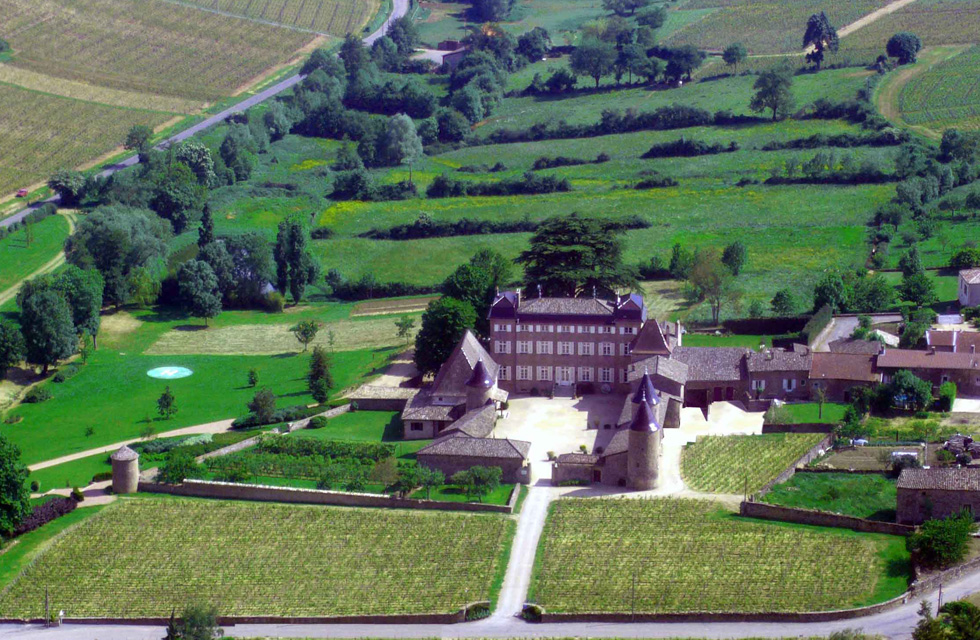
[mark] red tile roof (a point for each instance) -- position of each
(909, 359)
(843, 366)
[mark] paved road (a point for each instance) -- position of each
(399, 9)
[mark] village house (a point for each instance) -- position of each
(837, 374)
(969, 288)
(925, 494)
(935, 366)
(953, 341)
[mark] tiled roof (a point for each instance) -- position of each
(941, 338)
(565, 306)
(644, 420)
(651, 341)
(124, 453)
(966, 479)
(619, 443)
(578, 458)
(849, 345)
(778, 360)
(477, 448)
(843, 366)
(374, 391)
(971, 276)
(909, 359)
(420, 407)
(669, 368)
(457, 370)
(958, 341)
(475, 424)
(708, 364)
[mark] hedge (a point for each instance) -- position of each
(45, 513)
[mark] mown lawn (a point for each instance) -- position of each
(805, 412)
(860, 495)
(77, 473)
(18, 260)
(366, 426)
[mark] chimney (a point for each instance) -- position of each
(539, 291)
(932, 349)
(973, 349)
(617, 300)
(518, 297)
(680, 332)
(593, 292)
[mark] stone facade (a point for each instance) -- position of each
(125, 471)
(925, 494)
(969, 288)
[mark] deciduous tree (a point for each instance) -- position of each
(198, 290)
(774, 92)
(593, 58)
(820, 36)
(49, 333)
(402, 141)
(443, 324)
(15, 499)
(295, 266)
(905, 46)
(734, 54)
(167, 404)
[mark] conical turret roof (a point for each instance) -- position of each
(644, 420)
(480, 377)
(646, 393)
(125, 453)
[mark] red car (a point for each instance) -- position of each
(22, 193)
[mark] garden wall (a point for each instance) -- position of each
(805, 427)
(809, 456)
(820, 518)
(230, 621)
(262, 493)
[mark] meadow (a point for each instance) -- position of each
(330, 17)
(18, 259)
(764, 26)
(256, 559)
(657, 554)
(41, 133)
(148, 46)
(859, 495)
(741, 464)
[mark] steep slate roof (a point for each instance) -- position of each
(511, 304)
(578, 458)
(966, 479)
(565, 306)
(454, 373)
(477, 448)
(645, 391)
(843, 366)
(909, 359)
(475, 424)
(651, 341)
(620, 443)
(708, 364)
(480, 378)
(420, 407)
(669, 368)
(124, 453)
(643, 419)
(971, 276)
(849, 345)
(778, 360)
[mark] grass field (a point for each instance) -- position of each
(263, 559)
(946, 95)
(40, 133)
(800, 413)
(77, 473)
(330, 17)
(670, 547)
(764, 26)
(17, 260)
(148, 46)
(859, 495)
(737, 464)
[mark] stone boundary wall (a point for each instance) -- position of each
(263, 493)
(765, 511)
(857, 472)
(926, 583)
(230, 621)
(379, 404)
(803, 427)
(332, 413)
(810, 455)
(232, 448)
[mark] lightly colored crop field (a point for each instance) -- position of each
(145, 556)
(733, 464)
(766, 26)
(148, 46)
(40, 133)
(692, 556)
(331, 17)
(947, 95)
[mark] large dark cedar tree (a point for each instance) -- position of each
(443, 324)
(572, 255)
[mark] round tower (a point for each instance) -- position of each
(125, 471)
(478, 387)
(643, 455)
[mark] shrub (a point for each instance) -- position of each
(532, 612)
(45, 513)
(77, 495)
(947, 395)
(945, 457)
(478, 611)
(102, 476)
(178, 466)
(527, 184)
(307, 447)
(274, 302)
(317, 422)
(941, 543)
(66, 373)
(684, 148)
(656, 182)
(36, 395)
(288, 414)
(321, 233)
(35, 486)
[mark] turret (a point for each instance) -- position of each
(478, 387)
(646, 393)
(125, 471)
(643, 455)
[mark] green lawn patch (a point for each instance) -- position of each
(809, 412)
(732, 340)
(449, 493)
(77, 473)
(656, 555)
(366, 426)
(18, 260)
(264, 559)
(869, 496)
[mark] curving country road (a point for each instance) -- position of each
(399, 9)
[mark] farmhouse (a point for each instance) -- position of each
(969, 288)
(924, 494)
(935, 366)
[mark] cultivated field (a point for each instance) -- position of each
(41, 133)
(148, 46)
(667, 556)
(764, 26)
(143, 557)
(330, 17)
(936, 22)
(947, 95)
(391, 306)
(733, 464)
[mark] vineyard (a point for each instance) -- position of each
(764, 26)
(143, 557)
(41, 133)
(947, 94)
(671, 556)
(147, 46)
(936, 22)
(733, 464)
(332, 17)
